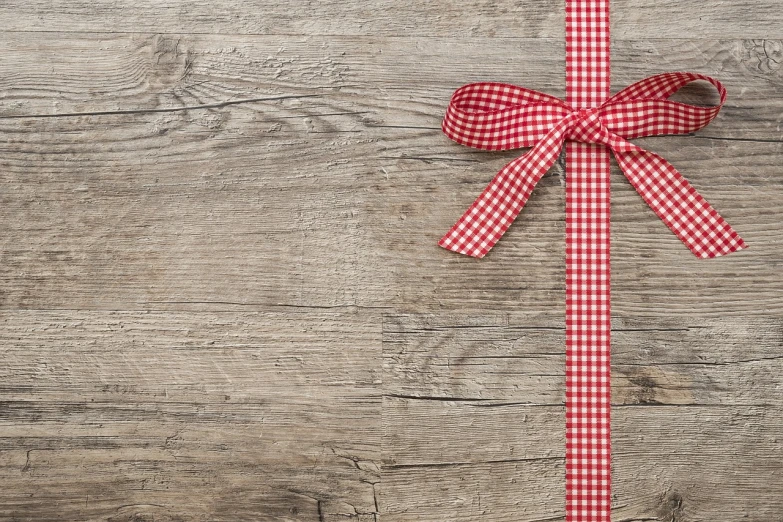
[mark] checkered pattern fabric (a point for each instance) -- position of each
(497, 116)
(588, 319)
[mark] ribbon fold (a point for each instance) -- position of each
(499, 116)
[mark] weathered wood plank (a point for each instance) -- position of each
(521, 358)
(151, 211)
(504, 18)
(139, 202)
(189, 416)
(683, 463)
(394, 81)
(473, 409)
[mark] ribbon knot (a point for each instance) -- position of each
(498, 116)
(584, 114)
(586, 126)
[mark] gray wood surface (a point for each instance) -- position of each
(221, 296)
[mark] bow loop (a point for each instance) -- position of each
(643, 108)
(498, 116)
(662, 86)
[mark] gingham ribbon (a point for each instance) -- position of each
(496, 116)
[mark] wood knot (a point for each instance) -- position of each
(671, 508)
(169, 63)
(764, 56)
(651, 385)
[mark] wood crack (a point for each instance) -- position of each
(703, 363)
(476, 463)
(726, 138)
(431, 398)
(163, 109)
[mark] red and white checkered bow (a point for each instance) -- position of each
(498, 116)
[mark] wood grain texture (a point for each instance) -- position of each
(486, 18)
(200, 171)
(222, 299)
(189, 416)
(474, 418)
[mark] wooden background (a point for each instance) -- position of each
(221, 296)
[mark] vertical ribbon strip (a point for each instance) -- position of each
(588, 324)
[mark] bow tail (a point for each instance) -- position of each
(490, 215)
(678, 204)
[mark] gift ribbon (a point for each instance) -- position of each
(498, 116)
